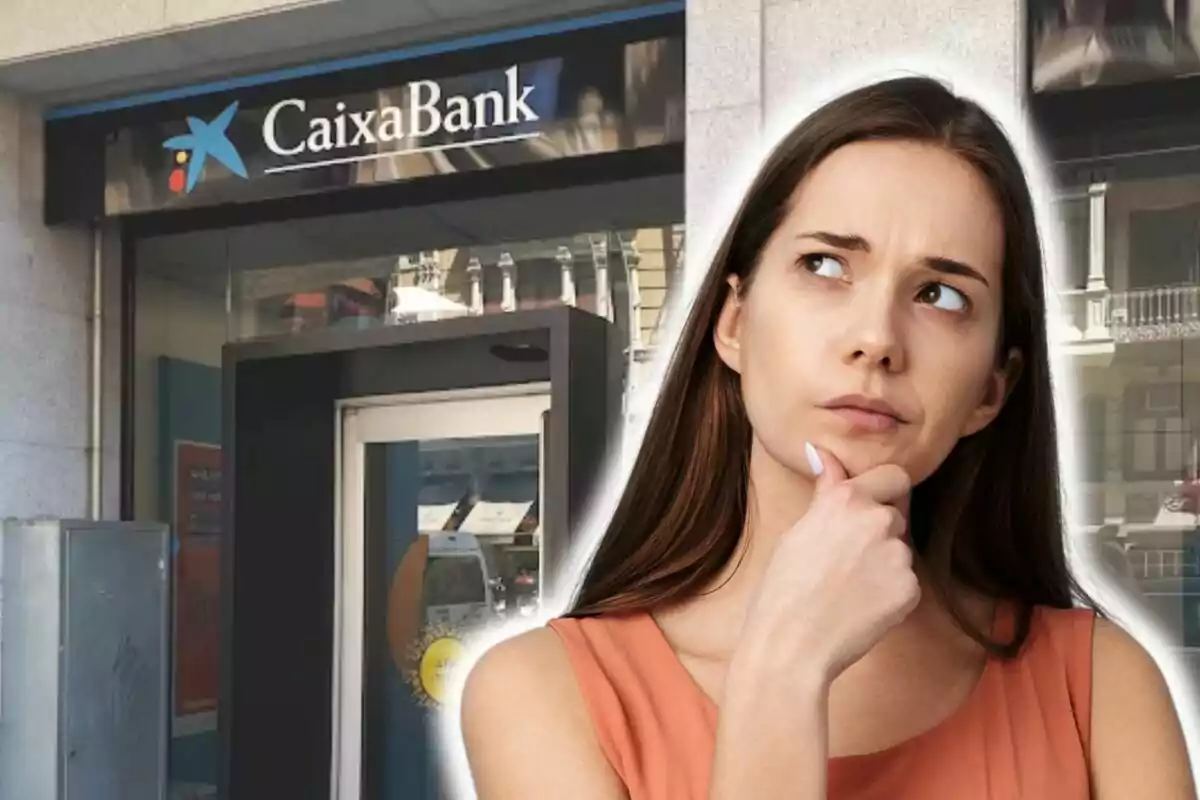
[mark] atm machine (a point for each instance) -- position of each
(391, 492)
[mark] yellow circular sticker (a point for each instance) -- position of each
(438, 657)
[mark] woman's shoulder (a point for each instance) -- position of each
(1058, 651)
(529, 677)
(1086, 635)
(535, 655)
(1134, 726)
(1068, 631)
(1061, 619)
(601, 630)
(558, 658)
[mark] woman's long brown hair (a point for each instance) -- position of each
(988, 520)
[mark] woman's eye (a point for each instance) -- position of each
(823, 265)
(943, 296)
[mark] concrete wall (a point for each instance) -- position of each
(38, 27)
(70, 50)
(43, 335)
(747, 57)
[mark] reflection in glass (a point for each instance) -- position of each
(1106, 42)
(196, 291)
(623, 276)
(1138, 414)
(177, 461)
(453, 542)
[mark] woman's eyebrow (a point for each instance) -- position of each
(845, 241)
(850, 241)
(951, 267)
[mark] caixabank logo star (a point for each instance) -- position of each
(204, 140)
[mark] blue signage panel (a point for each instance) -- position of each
(616, 96)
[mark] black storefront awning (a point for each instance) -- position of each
(590, 92)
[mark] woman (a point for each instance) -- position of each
(837, 569)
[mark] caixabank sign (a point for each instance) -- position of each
(430, 112)
(236, 149)
(323, 141)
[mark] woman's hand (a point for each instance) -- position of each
(838, 580)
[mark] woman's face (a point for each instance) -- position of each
(879, 291)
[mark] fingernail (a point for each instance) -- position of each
(814, 459)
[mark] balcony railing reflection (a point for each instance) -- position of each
(1159, 313)
(622, 276)
(1163, 563)
(1155, 314)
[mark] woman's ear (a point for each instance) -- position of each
(727, 331)
(1000, 383)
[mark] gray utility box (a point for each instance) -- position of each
(84, 660)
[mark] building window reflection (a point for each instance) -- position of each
(621, 275)
(1129, 324)
(1109, 42)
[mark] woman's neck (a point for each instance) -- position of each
(777, 498)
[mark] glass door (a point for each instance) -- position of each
(440, 505)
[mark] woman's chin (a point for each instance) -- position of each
(858, 459)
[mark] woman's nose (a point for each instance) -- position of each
(872, 338)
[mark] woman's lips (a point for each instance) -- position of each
(865, 419)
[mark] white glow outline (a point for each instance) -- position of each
(1005, 105)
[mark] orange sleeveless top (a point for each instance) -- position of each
(1022, 732)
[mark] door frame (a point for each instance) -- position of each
(279, 436)
(517, 409)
